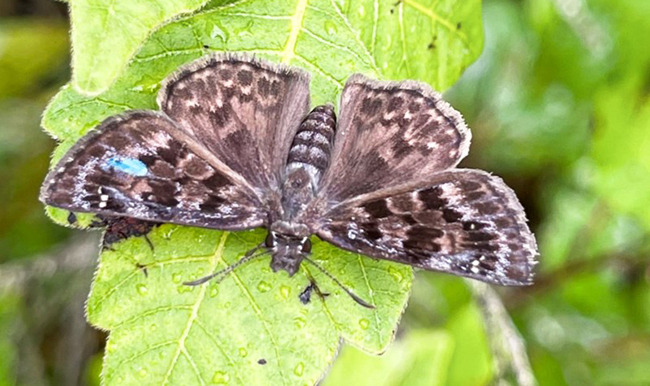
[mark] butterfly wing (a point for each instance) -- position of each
(464, 222)
(244, 111)
(390, 133)
(142, 165)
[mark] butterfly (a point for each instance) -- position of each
(235, 146)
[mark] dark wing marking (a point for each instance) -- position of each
(464, 222)
(391, 133)
(244, 111)
(142, 165)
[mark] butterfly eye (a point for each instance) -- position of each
(270, 240)
(306, 246)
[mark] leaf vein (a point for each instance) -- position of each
(265, 323)
(375, 24)
(214, 10)
(194, 367)
(437, 18)
(220, 347)
(136, 356)
(112, 289)
(371, 294)
(195, 310)
(166, 53)
(150, 312)
(258, 16)
(403, 38)
(332, 44)
(296, 25)
(353, 32)
(326, 75)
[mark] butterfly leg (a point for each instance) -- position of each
(143, 268)
(146, 238)
(250, 255)
(305, 295)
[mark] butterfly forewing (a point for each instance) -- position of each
(142, 165)
(244, 111)
(390, 133)
(218, 156)
(464, 222)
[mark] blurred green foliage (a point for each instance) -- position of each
(33, 62)
(559, 106)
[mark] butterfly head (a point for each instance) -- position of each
(289, 244)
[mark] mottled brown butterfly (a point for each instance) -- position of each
(234, 146)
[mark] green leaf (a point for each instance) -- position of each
(163, 332)
(623, 160)
(105, 35)
(471, 362)
(421, 358)
(9, 322)
(330, 39)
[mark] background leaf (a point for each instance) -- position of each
(9, 322)
(24, 150)
(324, 36)
(420, 358)
(624, 180)
(106, 34)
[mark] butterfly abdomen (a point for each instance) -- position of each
(312, 146)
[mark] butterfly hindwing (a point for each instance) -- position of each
(245, 111)
(464, 222)
(391, 133)
(141, 165)
(219, 155)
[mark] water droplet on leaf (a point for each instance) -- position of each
(220, 378)
(184, 288)
(364, 324)
(244, 30)
(217, 32)
(263, 286)
(330, 28)
(300, 322)
(397, 275)
(285, 291)
(299, 369)
(142, 289)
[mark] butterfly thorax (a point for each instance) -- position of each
(308, 158)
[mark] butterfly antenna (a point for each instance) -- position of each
(250, 255)
(343, 287)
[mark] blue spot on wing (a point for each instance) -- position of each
(131, 166)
